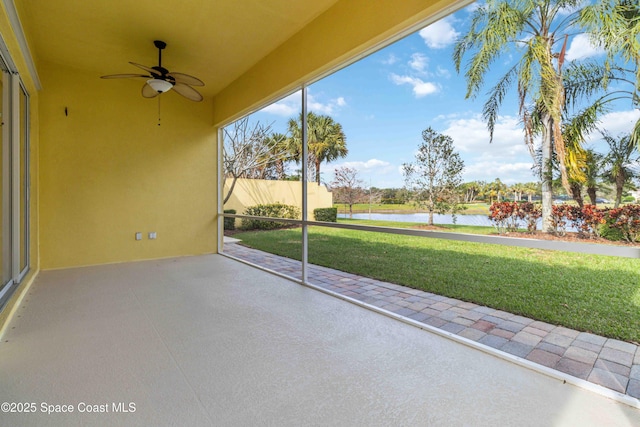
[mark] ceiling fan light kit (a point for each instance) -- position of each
(159, 86)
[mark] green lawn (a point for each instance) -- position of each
(591, 293)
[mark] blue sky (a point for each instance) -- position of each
(385, 100)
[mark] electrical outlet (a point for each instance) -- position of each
(152, 235)
(138, 236)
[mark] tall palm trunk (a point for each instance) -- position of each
(280, 169)
(576, 193)
(620, 180)
(591, 192)
(547, 172)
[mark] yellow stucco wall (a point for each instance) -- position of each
(344, 31)
(107, 171)
(249, 192)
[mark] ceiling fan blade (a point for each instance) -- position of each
(149, 92)
(186, 79)
(148, 69)
(123, 76)
(187, 91)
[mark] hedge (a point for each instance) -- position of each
(229, 223)
(326, 214)
(272, 210)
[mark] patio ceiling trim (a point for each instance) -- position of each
(18, 31)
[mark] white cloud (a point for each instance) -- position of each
(420, 87)
(366, 168)
(615, 123)
(443, 72)
(291, 105)
(507, 157)
(286, 107)
(509, 173)
(330, 107)
(419, 62)
(440, 34)
(281, 109)
(391, 59)
(470, 134)
(581, 48)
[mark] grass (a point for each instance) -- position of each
(597, 294)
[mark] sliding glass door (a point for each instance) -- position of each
(14, 178)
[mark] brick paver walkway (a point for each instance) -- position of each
(608, 362)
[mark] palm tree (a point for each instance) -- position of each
(325, 139)
(278, 154)
(531, 189)
(615, 26)
(622, 154)
(518, 189)
(539, 30)
(593, 162)
(495, 190)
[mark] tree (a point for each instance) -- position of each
(538, 32)
(325, 139)
(277, 157)
(618, 163)
(247, 151)
(471, 190)
(592, 174)
(435, 174)
(531, 189)
(615, 26)
(347, 188)
(518, 189)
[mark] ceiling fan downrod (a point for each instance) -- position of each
(160, 45)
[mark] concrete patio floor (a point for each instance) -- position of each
(210, 341)
(609, 363)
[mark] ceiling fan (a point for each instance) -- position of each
(160, 80)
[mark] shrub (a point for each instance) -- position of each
(590, 220)
(326, 214)
(628, 199)
(391, 201)
(562, 215)
(506, 215)
(531, 214)
(586, 220)
(229, 223)
(607, 231)
(627, 220)
(273, 210)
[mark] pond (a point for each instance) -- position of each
(481, 220)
